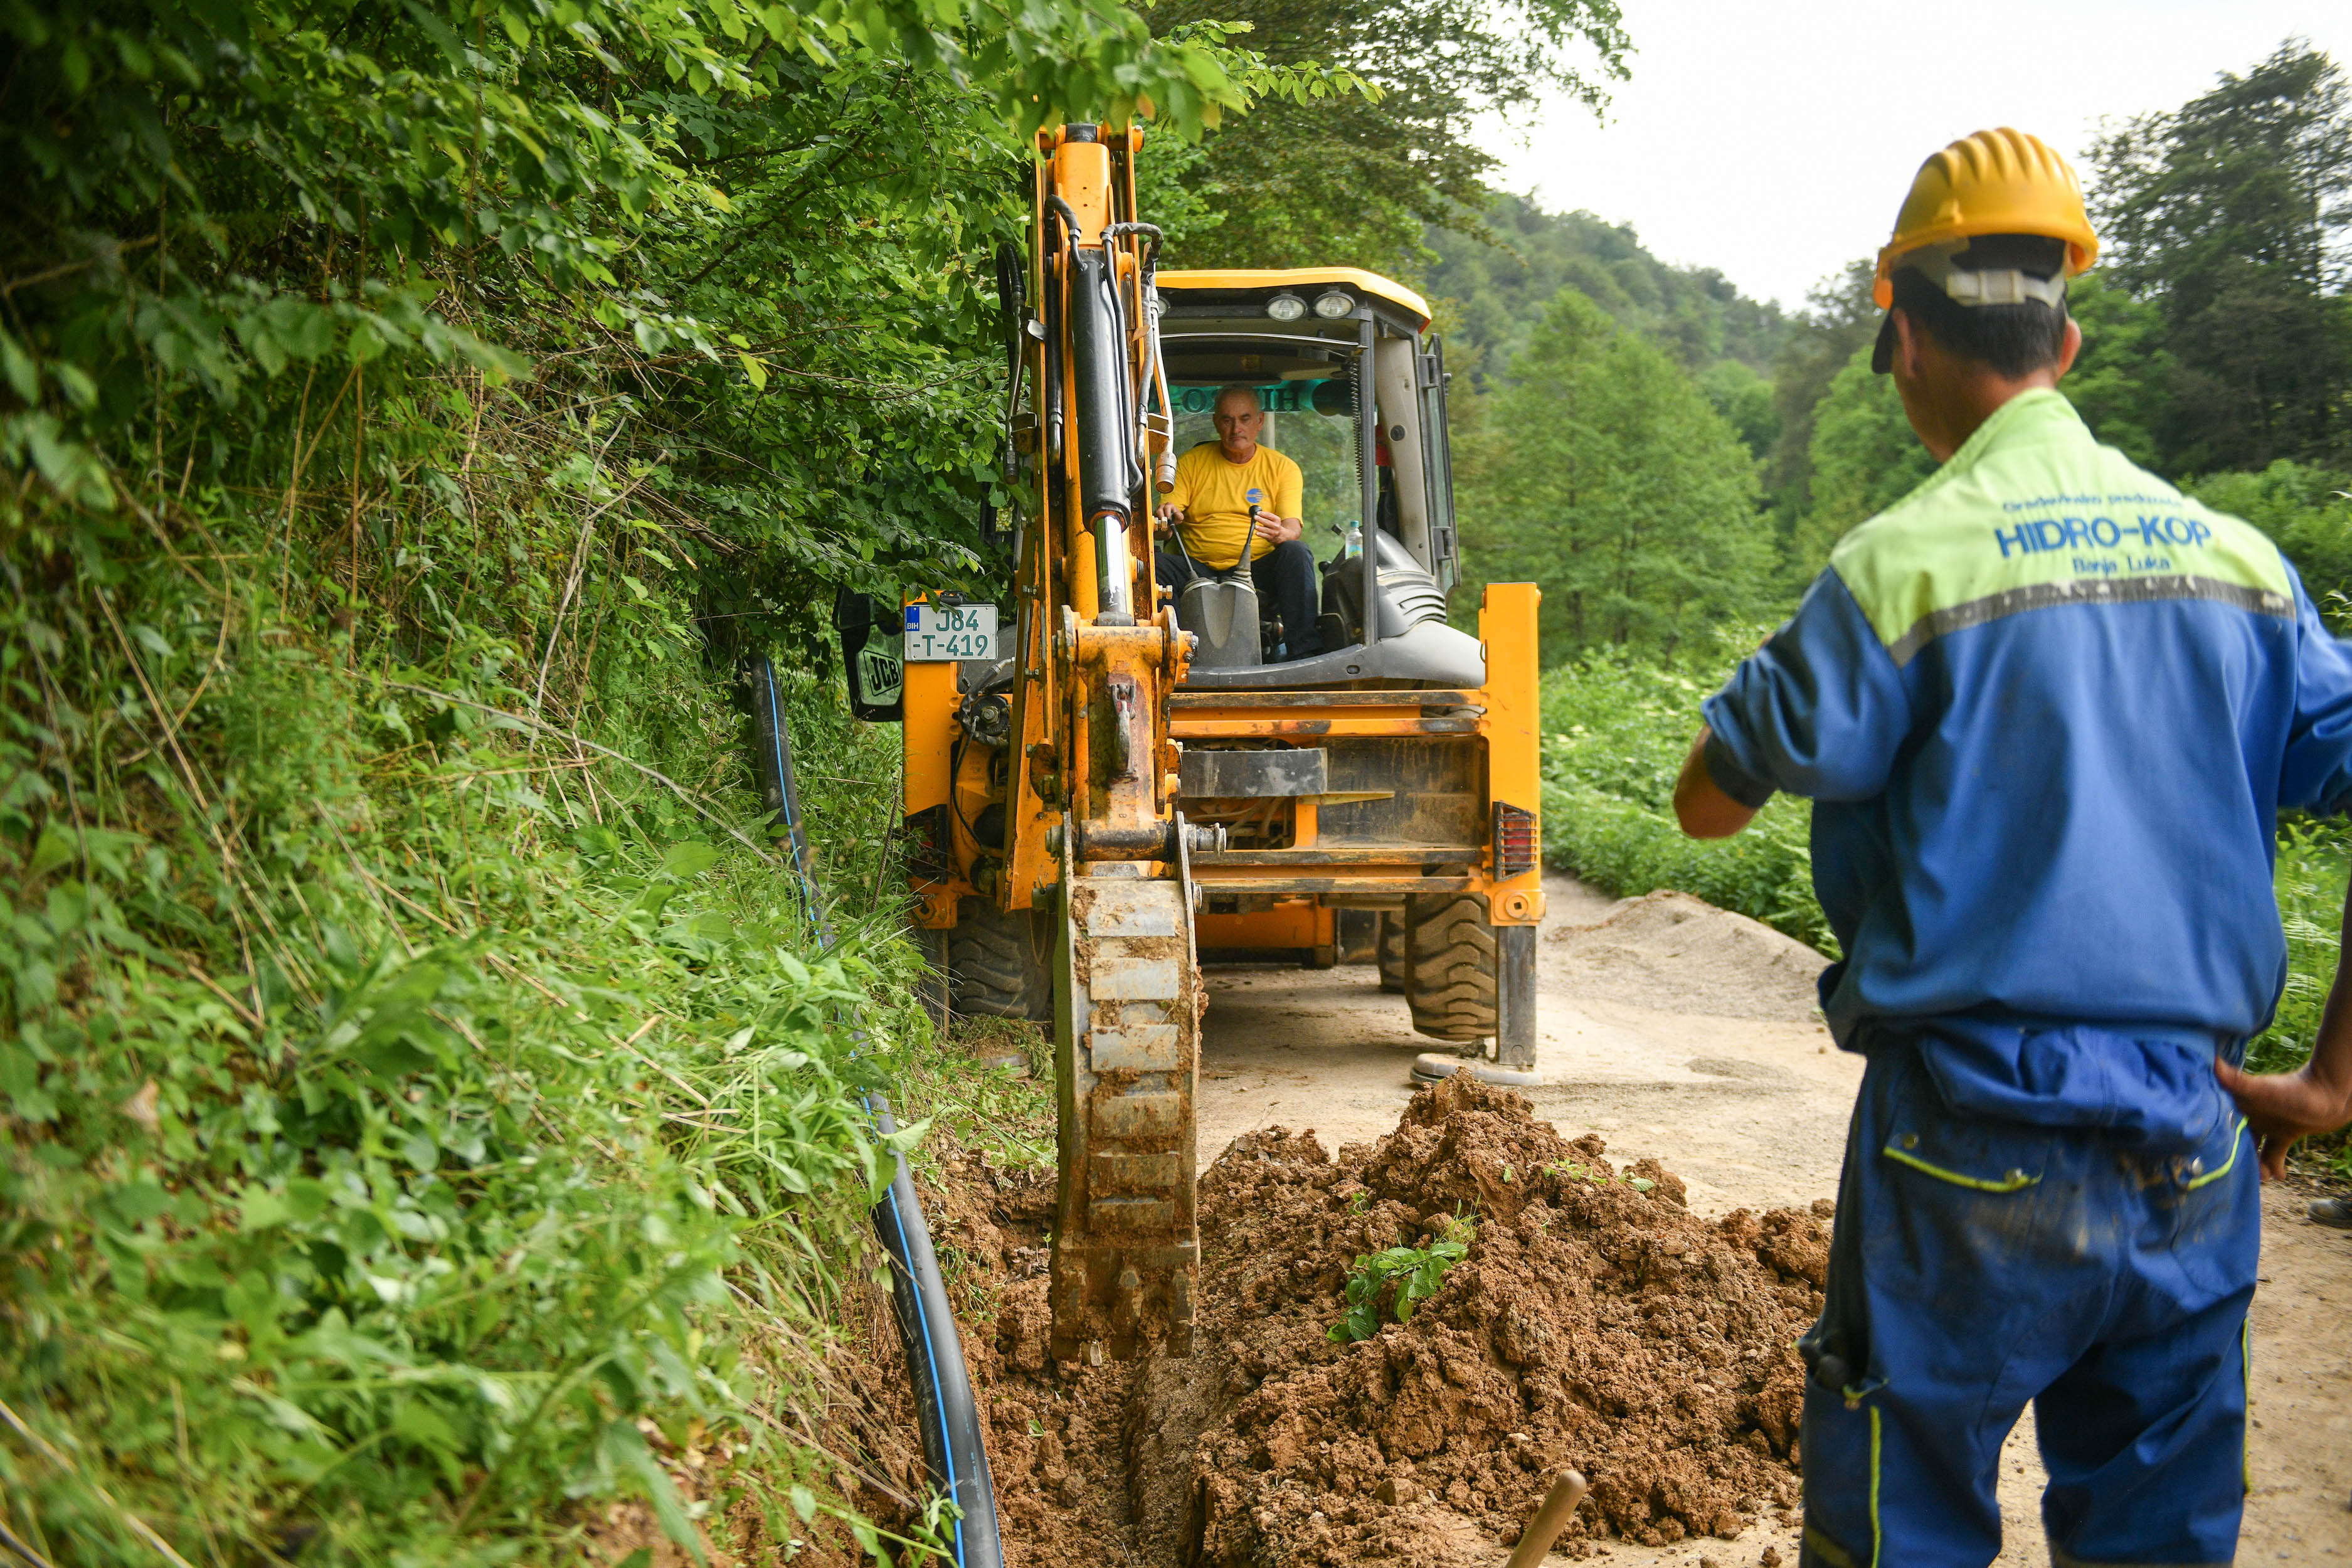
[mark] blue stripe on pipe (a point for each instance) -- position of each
(791, 808)
(931, 1350)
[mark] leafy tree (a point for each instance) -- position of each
(1340, 178)
(2228, 215)
(1602, 473)
(1839, 318)
(1503, 282)
(1744, 401)
(1863, 459)
(2122, 378)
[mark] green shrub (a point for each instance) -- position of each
(433, 1133)
(2307, 511)
(2310, 881)
(1404, 1277)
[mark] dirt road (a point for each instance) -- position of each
(1682, 1032)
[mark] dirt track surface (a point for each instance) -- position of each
(1685, 1034)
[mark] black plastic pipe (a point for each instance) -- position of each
(954, 1442)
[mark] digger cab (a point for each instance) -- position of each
(1353, 386)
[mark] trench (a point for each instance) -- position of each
(1671, 1033)
(1588, 1308)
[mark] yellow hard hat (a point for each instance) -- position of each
(1995, 181)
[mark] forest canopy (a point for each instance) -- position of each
(2217, 349)
(1355, 179)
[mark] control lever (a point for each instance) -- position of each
(1248, 540)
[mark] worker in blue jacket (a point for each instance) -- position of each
(2048, 709)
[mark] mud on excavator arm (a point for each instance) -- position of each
(1104, 841)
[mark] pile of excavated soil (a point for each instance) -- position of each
(1673, 953)
(1593, 1322)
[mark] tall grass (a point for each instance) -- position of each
(423, 1130)
(2310, 880)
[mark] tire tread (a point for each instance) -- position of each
(1450, 977)
(993, 971)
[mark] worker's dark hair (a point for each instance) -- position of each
(2013, 339)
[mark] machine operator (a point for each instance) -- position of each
(2048, 709)
(1217, 484)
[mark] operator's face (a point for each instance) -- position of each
(1238, 420)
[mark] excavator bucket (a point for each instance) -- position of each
(1127, 1007)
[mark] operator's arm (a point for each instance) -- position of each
(1289, 504)
(1177, 504)
(1700, 804)
(2280, 1107)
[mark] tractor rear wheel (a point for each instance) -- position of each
(997, 964)
(1388, 949)
(1450, 966)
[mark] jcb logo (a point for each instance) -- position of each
(881, 673)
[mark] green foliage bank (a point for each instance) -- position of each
(426, 1123)
(1616, 727)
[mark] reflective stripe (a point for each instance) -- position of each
(1818, 1544)
(2084, 590)
(1877, 1539)
(2008, 1183)
(2237, 1142)
(2246, 1378)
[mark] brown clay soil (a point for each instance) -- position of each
(1673, 1030)
(1594, 1323)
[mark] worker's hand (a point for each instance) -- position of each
(2280, 1107)
(1166, 512)
(1701, 807)
(1281, 530)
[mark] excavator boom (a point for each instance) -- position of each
(1139, 778)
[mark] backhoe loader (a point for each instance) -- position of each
(1104, 786)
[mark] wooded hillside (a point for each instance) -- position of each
(2218, 349)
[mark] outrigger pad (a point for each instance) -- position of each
(1127, 1244)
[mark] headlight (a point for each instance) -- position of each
(1334, 305)
(1285, 307)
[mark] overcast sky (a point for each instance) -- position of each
(1774, 142)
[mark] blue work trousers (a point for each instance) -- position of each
(1978, 1264)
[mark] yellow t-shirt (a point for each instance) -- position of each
(1215, 496)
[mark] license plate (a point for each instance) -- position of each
(937, 632)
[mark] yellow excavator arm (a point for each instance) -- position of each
(1090, 810)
